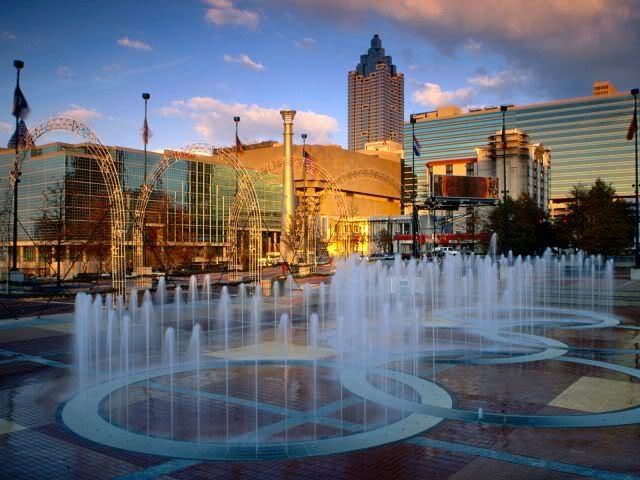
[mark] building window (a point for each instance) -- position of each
(470, 169)
(449, 169)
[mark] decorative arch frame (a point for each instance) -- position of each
(246, 199)
(331, 188)
(111, 179)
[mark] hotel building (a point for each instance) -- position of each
(585, 135)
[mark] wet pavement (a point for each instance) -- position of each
(37, 378)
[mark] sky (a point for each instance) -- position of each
(205, 61)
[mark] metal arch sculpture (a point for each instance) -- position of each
(330, 188)
(246, 198)
(372, 174)
(111, 179)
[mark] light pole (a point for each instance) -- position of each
(414, 181)
(19, 64)
(304, 197)
(505, 250)
(145, 140)
(635, 92)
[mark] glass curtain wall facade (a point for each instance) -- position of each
(585, 135)
(63, 204)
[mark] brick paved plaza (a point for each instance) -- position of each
(38, 377)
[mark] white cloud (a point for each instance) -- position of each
(473, 47)
(432, 95)
(501, 80)
(305, 42)
(223, 12)
(8, 35)
(213, 121)
(244, 60)
(135, 44)
(5, 127)
(64, 71)
(84, 114)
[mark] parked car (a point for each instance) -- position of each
(374, 257)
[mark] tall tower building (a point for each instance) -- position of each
(376, 99)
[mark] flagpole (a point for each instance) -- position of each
(236, 120)
(19, 64)
(304, 196)
(505, 249)
(145, 139)
(635, 92)
(414, 244)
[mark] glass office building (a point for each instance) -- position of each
(586, 137)
(63, 200)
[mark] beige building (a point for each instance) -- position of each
(369, 180)
(376, 99)
(528, 166)
(340, 185)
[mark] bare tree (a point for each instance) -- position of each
(51, 226)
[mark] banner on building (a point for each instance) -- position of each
(465, 187)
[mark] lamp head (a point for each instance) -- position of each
(236, 119)
(412, 119)
(503, 108)
(304, 136)
(635, 91)
(18, 64)
(146, 96)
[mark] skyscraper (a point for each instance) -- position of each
(376, 99)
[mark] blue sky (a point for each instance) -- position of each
(204, 61)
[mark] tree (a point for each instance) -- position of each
(51, 226)
(596, 221)
(384, 240)
(529, 229)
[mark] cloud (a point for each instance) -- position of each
(64, 71)
(223, 12)
(85, 115)
(577, 41)
(213, 121)
(501, 80)
(117, 73)
(8, 35)
(551, 24)
(244, 60)
(473, 47)
(135, 44)
(305, 42)
(432, 95)
(5, 127)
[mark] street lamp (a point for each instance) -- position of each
(503, 109)
(145, 140)
(19, 65)
(635, 92)
(414, 180)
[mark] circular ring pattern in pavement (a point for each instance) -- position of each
(81, 415)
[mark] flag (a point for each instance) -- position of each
(633, 126)
(239, 146)
(308, 159)
(416, 146)
(146, 133)
(20, 106)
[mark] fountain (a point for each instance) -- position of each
(324, 368)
